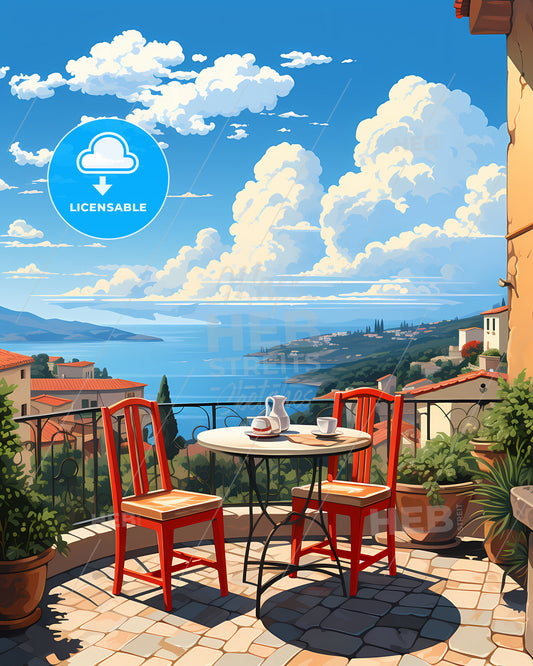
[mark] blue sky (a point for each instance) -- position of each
(339, 157)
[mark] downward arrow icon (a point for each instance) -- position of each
(102, 186)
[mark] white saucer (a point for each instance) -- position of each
(255, 435)
(319, 433)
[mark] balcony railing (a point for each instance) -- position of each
(65, 451)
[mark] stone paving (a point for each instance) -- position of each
(442, 608)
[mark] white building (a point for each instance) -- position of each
(496, 329)
(15, 369)
(75, 370)
(469, 334)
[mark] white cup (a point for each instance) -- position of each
(261, 425)
(327, 424)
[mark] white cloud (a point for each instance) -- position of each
(123, 283)
(124, 66)
(233, 84)
(4, 71)
(425, 153)
(347, 61)
(291, 114)
(208, 246)
(17, 243)
(21, 229)
(22, 157)
(188, 195)
(5, 186)
(94, 245)
(162, 145)
(238, 135)
(39, 180)
(29, 87)
(268, 238)
(183, 75)
(320, 124)
(30, 192)
(298, 59)
(87, 119)
(199, 57)
(283, 129)
(237, 125)
(30, 270)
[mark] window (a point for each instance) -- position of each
(84, 403)
(94, 403)
(130, 395)
(488, 324)
(494, 324)
(23, 374)
(24, 408)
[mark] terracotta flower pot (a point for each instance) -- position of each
(485, 456)
(21, 589)
(427, 524)
(495, 545)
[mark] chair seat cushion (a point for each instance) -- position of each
(345, 492)
(169, 504)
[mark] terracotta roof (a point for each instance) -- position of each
(77, 364)
(53, 359)
(457, 380)
(503, 308)
(472, 328)
(12, 359)
(407, 430)
(384, 377)
(51, 399)
(82, 384)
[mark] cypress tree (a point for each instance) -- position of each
(169, 426)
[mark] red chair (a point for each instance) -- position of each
(356, 498)
(160, 510)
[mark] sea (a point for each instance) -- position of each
(203, 363)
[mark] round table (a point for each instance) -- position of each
(253, 451)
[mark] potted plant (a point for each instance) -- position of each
(490, 360)
(29, 531)
(503, 533)
(434, 487)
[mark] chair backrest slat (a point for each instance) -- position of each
(364, 402)
(136, 446)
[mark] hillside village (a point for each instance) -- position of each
(72, 385)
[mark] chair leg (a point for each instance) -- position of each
(332, 529)
(297, 534)
(120, 555)
(356, 535)
(220, 552)
(391, 539)
(165, 540)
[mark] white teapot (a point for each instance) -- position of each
(278, 409)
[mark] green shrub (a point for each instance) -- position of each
(27, 526)
(491, 352)
(444, 460)
(509, 423)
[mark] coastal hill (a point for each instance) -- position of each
(26, 327)
(359, 358)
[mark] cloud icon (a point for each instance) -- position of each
(107, 153)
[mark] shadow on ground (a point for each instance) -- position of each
(391, 615)
(39, 640)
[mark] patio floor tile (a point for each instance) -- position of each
(418, 618)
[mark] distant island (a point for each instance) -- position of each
(26, 327)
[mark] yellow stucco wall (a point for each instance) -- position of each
(520, 188)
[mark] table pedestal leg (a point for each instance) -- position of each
(291, 519)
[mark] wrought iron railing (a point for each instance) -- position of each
(65, 451)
